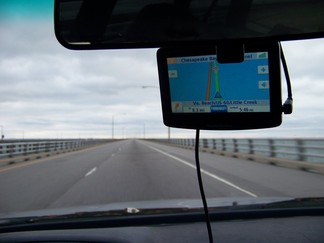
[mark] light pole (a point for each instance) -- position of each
(113, 123)
(144, 130)
(112, 127)
(155, 87)
(2, 135)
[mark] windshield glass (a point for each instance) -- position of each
(84, 128)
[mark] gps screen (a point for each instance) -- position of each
(199, 84)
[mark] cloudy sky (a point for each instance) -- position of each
(48, 91)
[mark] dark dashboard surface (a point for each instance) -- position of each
(292, 229)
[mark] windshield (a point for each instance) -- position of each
(84, 128)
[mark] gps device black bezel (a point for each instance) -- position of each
(222, 121)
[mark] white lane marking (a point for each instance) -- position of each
(91, 171)
(205, 172)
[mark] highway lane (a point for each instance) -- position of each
(261, 179)
(137, 170)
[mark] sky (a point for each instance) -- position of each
(47, 91)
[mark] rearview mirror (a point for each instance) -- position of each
(97, 24)
(199, 92)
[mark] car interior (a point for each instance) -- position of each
(211, 41)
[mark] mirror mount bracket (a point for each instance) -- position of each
(230, 52)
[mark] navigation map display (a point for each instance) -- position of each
(198, 91)
(199, 84)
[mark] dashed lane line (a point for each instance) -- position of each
(91, 171)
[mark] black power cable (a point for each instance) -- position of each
(287, 109)
(201, 188)
(288, 105)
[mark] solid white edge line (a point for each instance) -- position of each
(205, 172)
(91, 171)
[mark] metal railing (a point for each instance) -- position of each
(11, 148)
(306, 150)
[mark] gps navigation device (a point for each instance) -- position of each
(199, 92)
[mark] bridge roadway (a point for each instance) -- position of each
(137, 170)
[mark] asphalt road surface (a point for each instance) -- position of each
(137, 170)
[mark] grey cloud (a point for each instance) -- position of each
(47, 90)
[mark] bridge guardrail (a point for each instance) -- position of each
(12, 148)
(306, 154)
